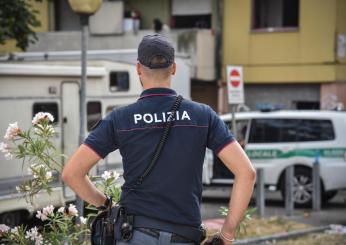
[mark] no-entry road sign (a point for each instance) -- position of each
(235, 85)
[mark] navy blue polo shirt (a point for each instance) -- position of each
(172, 192)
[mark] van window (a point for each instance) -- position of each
(51, 107)
(273, 130)
(119, 81)
(94, 113)
(315, 130)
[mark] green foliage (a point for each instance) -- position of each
(59, 228)
(241, 229)
(35, 148)
(17, 20)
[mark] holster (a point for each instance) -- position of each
(106, 226)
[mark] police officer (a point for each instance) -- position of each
(167, 204)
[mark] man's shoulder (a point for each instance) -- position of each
(198, 106)
(125, 108)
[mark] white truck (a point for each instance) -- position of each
(278, 139)
(34, 82)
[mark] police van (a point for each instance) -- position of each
(278, 139)
(50, 82)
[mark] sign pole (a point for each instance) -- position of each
(234, 123)
(235, 91)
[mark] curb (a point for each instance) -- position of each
(281, 236)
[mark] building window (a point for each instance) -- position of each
(275, 15)
(51, 107)
(191, 13)
(119, 81)
(94, 114)
(192, 21)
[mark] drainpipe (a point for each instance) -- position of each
(218, 56)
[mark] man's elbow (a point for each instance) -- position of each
(252, 175)
(249, 175)
(66, 176)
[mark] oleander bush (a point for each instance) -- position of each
(34, 147)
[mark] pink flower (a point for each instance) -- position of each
(41, 116)
(4, 148)
(12, 131)
(49, 210)
(72, 210)
(110, 174)
(41, 216)
(4, 228)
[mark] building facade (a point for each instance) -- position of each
(292, 51)
(120, 24)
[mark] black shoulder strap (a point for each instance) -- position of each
(160, 145)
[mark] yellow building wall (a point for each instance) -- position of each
(302, 55)
(42, 16)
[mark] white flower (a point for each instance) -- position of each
(110, 174)
(4, 148)
(49, 175)
(4, 228)
(106, 175)
(42, 116)
(34, 235)
(12, 131)
(41, 216)
(15, 230)
(61, 210)
(18, 188)
(8, 156)
(83, 220)
(72, 210)
(48, 211)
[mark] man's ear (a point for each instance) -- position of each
(174, 68)
(139, 69)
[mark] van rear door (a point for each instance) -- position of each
(70, 124)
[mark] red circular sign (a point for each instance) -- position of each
(235, 78)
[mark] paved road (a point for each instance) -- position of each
(332, 213)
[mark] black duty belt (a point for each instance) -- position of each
(156, 233)
(190, 233)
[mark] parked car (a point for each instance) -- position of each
(276, 140)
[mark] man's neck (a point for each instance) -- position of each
(156, 85)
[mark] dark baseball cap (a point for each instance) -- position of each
(154, 46)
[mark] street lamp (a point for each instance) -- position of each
(84, 8)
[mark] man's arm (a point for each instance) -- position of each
(75, 176)
(235, 159)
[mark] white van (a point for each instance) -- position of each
(49, 82)
(275, 140)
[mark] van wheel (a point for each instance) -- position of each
(12, 218)
(302, 187)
